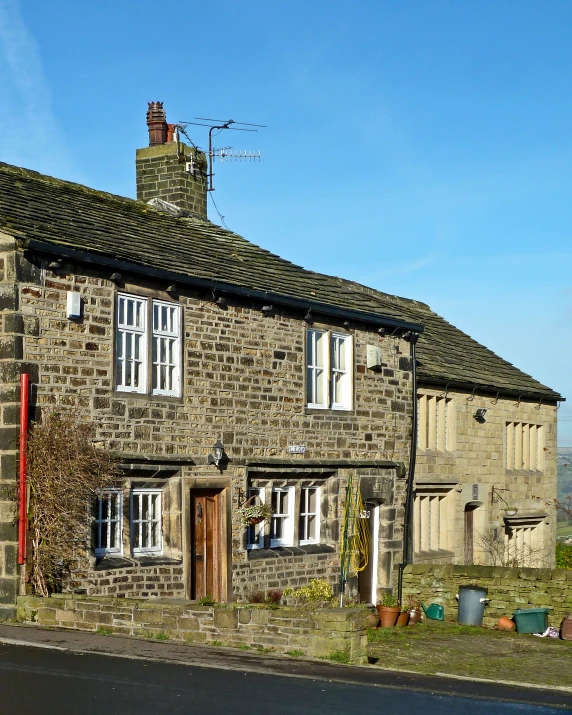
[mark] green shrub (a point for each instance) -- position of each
(207, 600)
(317, 590)
(339, 656)
(564, 556)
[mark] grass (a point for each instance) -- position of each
(162, 636)
(296, 653)
(243, 646)
(338, 656)
(563, 529)
(104, 631)
(216, 643)
(443, 647)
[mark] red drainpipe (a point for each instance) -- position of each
(23, 516)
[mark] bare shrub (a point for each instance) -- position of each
(66, 472)
(508, 554)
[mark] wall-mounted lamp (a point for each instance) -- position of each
(382, 332)
(480, 414)
(267, 310)
(172, 289)
(218, 456)
(308, 318)
(115, 277)
(222, 302)
(55, 265)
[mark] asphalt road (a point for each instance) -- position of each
(38, 680)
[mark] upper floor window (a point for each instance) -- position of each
(435, 423)
(329, 370)
(524, 446)
(134, 341)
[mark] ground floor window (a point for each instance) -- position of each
(433, 518)
(145, 522)
(108, 523)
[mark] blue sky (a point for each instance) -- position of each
(423, 148)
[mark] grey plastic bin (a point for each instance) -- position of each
(472, 602)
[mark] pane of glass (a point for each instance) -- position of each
(310, 348)
(341, 356)
(163, 378)
(320, 391)
(104, 502)
(170, 378)
(129, 312)
(172, 319)
(312, 500)
(320, 349)
(137, 347)
(303, 501)
(311, 527)
(129, 346)
(285, 498)
(302, 528)
(278, 527)
(121, 318)
(155, 316)
(275, 502)
(103, 544)
(136, 535)
(165, 317)
(163, 351)
(113, 535)
(310, 386)
(338, 391)
(154, 349)
(136, 508)
(154, 506)
(136, 374)
(155, 534)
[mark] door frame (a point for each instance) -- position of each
(373, 559)
(191, 487)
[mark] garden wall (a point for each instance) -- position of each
(508, 588)
(316, 633)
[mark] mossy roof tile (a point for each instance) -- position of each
(35, 206)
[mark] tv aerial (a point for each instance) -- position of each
(224, 153)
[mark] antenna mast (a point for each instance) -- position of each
(227, 152)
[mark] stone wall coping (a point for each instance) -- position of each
(496, 572)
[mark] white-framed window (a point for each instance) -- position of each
(146, 521)
(108, 523)
(255, 533)
(433, 518)
(524, 446)
(329, 371)
(166, 348)
(282, 527)
(132, 345)
(435, 423)
(309, 519)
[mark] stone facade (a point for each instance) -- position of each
(315, 633)
(244, 383)
(509, 589)
(461, 469)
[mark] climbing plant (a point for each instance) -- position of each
(66, 472)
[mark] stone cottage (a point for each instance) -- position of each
(216, 372)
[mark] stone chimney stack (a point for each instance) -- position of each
(170, 170)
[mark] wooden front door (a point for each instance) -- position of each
(205, 544)
(469, 533)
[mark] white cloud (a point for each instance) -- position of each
(29, 132)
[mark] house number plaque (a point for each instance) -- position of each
(297, 448)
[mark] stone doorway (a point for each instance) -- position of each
(206, 562)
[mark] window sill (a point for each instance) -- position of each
(109, 562)
(327, 410)
(146, 397)
(285, 551)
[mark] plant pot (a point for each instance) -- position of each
(414, 616)
(388, 615)
(506, 624)
(372, 620)
(403, 618)
(256, 520)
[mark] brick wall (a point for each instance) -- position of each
(317, 633)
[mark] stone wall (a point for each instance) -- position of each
(316, 633)
(508, 588)
(156, 580)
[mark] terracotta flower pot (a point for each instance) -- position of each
(506, 624)
(402, 618)
(388, 615)
(372, 620)
(414, 616)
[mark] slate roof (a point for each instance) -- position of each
(35, 207)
